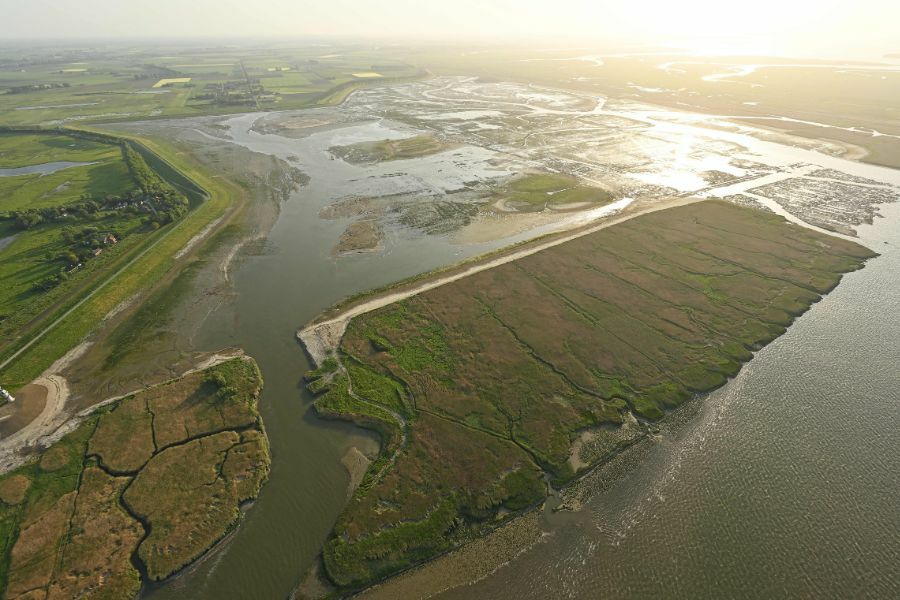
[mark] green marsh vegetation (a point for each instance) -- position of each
(496, 376)
(385, 150)
(537, 191)
(139, 490)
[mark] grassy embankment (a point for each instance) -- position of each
(37, 261)
(142, 267)
(139, 490)
(496, 376)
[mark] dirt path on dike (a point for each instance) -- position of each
(322, 339)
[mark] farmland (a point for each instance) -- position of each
(140, 489)
(55, 87)
(485, 387)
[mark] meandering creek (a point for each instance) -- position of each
(783, 478)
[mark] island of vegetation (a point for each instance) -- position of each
(140, 489)
(386, 150)
(490, 388)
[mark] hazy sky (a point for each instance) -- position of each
(806, 27)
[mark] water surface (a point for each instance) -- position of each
(42, 169)
(782, 484)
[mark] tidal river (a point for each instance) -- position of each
(782, 483)
(278, 289)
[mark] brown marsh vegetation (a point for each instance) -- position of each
(138, 491)
(482, 387)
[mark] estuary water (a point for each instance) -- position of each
(279, 286)
(782, 483)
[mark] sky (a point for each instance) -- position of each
(787, 27)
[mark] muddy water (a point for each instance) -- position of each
(782, 484)
(277, 288)
(750, 483)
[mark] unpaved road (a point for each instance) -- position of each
(57, 392)
(322, 339)
(54, 422)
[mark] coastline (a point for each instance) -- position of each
(484, 555)
(485, 552)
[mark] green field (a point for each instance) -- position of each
(66, 86)
(154, 480)
(539, 191)
(108, 176)
(36, 255)
(483, 387)
(64, 231)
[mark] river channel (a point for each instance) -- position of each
(782, 483)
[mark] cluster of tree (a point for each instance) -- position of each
(166, 207)
(81, 246)
(51, 281)
(87, 208)
(37, 87)
(151, 71)
(161, 208)
(144, 176)
(225, 392)
(232, 92)
(89, 237)
(166, 204)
